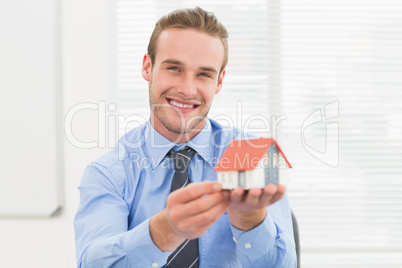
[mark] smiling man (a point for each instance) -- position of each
(135, 215)
(183, 78)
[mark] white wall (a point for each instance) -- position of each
(49, 242)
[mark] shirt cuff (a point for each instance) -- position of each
(139, 240)
(250, 243)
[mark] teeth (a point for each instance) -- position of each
(181, 105)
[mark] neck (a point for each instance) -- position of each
(177, 138)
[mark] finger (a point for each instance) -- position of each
(270, 189)
(198, 221)
(226, 194)
(272, 193)
(236, 196)
(279, 194)
(215, 214)
(281, 188)
(196, 226)
(267, 195)
(194, 191)
(197, 206)
(253, 197)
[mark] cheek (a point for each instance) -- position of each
(208, 95)
(162, 83)
(207, 88)
(157, 87)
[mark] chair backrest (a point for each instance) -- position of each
(297, 238)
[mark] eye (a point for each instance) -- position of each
(205, 75)
(174, 68)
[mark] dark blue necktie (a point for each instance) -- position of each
(186, 255)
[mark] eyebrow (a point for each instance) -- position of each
(169, 61)
(209, 69)
(177, 62)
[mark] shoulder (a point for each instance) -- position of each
(131, 142)
(115, 166)
(225, 134)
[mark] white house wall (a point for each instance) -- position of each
(228, 179)
(255, 178)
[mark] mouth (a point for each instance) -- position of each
(182, 104)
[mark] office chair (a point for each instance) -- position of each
(296, 236)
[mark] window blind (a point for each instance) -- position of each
(245, 87)
(344, 60)
(325, 75)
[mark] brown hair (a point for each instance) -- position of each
(195, 18)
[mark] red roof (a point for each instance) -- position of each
(246, 154)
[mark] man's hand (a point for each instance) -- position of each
(247, 209)
(189, 212)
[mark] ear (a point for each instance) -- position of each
(220, 82)
(146, 67)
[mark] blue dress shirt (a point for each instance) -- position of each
(122, 190)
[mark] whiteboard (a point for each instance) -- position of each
(30, 109)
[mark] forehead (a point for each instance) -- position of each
(190, 46)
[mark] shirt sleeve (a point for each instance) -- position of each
(270, 244)
(101, 227)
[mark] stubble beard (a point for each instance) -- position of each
(182, 127)
(185, 126)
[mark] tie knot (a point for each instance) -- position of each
(181, 158)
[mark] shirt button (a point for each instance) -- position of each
(155, 264)
(234, 239)
(247, 245)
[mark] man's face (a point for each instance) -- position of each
(183, 81)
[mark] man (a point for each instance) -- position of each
(128, 216)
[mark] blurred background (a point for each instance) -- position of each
(323, 77)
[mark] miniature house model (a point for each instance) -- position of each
(251, 163)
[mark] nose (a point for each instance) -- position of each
(187, 86)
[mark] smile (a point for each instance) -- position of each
(181, 105)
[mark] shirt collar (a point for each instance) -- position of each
(202, 143)
(157, 146)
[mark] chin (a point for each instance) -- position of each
(180, 129)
